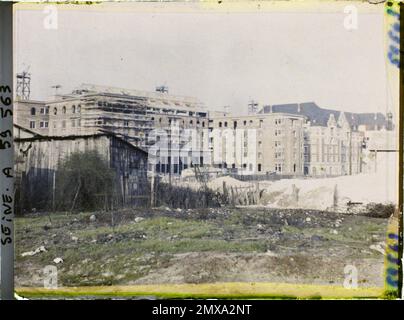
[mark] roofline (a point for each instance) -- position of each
(27, 130)
(325, 109)
(73, 137)
(259, 115)
(17, 100)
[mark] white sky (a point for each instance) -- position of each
(222, 59)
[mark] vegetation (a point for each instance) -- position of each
(197, 246)
(180, 197)
(379, 210)
(84, 182)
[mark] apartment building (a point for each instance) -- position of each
(258, 144)
(332, 150)
(333, 140)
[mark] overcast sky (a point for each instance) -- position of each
(222, 59)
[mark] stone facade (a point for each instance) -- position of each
(332, 150)
(259, 144)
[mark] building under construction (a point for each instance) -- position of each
(144, 119)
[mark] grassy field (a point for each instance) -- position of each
(164, 252)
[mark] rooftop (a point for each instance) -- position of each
(319, 116)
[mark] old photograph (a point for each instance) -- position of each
(206, 149)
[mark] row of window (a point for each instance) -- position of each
(45, 124)
(174, 121)
(251, 122)
(45, 110)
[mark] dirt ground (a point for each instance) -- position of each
(165, 245)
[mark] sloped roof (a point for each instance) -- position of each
(319, 116)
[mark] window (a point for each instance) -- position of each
(79, 108)
(46, 124)
(32, 124)
(259, 167)
(277, 143)
(245, 122)
(55, 111)
(126, 123)
(41, 124)
(225, 124)
(73, 109)
(47, 110)
(64, 110)
(42, 111)
(220, 124)
(259, 155)
(33, 111)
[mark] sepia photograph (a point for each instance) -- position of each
(226, 150)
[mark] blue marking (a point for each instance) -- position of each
(392, 272)
(396, 27)
(393, 236)
(393, 247)
(395, 50)
(391, 259)
(394, 37)
(394, 61)
(393, 13)
(392, 282)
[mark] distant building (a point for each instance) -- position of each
(332, 150)
(258, 144)
(320, 116)
(335, 140)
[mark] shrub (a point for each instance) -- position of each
(83, 181)
(379, 210)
